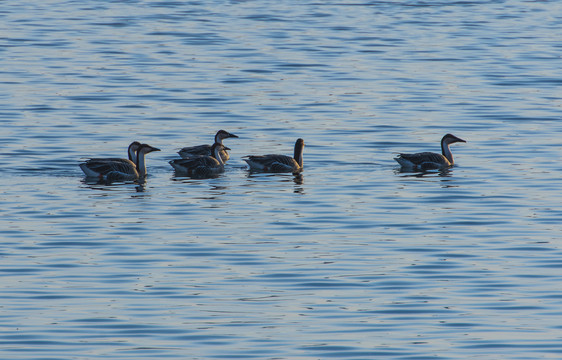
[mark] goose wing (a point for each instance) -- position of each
(199, 150)
(272, 162)
(206, 161)
(419, 159)
(202, 166)
(104, 166)
(100, 160)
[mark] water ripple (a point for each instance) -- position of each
(354, 258)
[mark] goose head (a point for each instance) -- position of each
(145, 149)
(223, 134)
(450, 139)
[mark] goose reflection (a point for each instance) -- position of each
(107, 186)
(446, 172)
(259, 177)
(298, 179)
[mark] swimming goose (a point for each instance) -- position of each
(202, 166)
(118, 169)
(429, 160)
(205, 150)
(278, 163)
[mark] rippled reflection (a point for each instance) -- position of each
(441, 172)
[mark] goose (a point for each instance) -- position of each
(118, 169)
(205, 150)
(202, 166)
(429, 160)
(278, 163)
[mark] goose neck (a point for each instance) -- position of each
(141, 164)
(446, 151)
(299, 147)
(217, 154)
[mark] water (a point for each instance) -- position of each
(351, 260)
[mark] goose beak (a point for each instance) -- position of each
(230, 135)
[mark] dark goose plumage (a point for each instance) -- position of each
(278, 163)
(430, 160)
(201, 166)
(205, 150)
(118, 169)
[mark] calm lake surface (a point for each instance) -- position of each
(351, 260)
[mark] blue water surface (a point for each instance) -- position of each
(353, 259)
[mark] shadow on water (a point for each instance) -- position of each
(107, 185)
(425, 173)
(186, 179)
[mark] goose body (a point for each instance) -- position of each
(205, 150)
(429, 160)
(114, 169)
(278, 163)
(201, 166)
